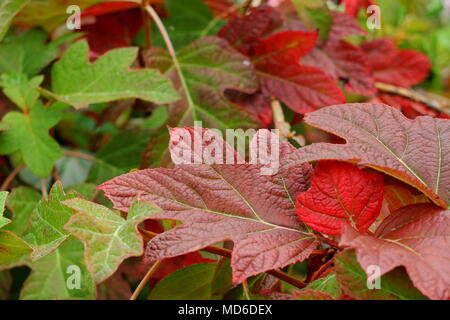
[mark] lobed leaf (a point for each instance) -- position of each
(394, 285)
(60, 275)
(219, 202)
(28, 133)
(341, 194)
(108, 238)
(416, 152)
(79, 83)
(47, 223)
(416, 237)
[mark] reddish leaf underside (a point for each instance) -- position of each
(341, 194)
(416, 152)
(398, 195)
(402, 68)
(416, 237)
(343, 26)
(222, 202)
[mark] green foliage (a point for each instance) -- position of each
(393, 285)
(108, 238)
(54, 276)
(8, 9)
(28, 53)
(28, 133)
(47, 223)
(201, 281)
(79, 83)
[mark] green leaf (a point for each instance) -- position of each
(79, 83)
(13, 250)
(394, 285)
(27, 53)
(47, 222)
(21, 90)
(22, 201)
(108, 238)
(195, 282)
(55, 276)
(8, 9)
(327, 284)
(185, 22)
(209, 66)
(28, 133)
(3, 221)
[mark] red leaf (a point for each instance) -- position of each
(302, 88)
(220, 202)
(341, 194)
(276, 59)
(242, 32)
(343, 26)
(352, 7)
(351, 65)
(256, 104)
(409, 108)
(113, 30)
(402, 68)
(109, 7)
(416, 152)
(283, 48)
(416, 237)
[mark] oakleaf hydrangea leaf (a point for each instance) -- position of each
(381, 137)
(210, 66)
(394, 285)
(108, 238)
(60, 275)
(79, 83)
(28, 133)
(21, 90)
(341, 194)
(21, 202)
(29, 52)
(46, 232)
(223, 202)
(13, 250)
(416, 237)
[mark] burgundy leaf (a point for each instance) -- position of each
(414, 151)
(402, 68)
(220, 202)
(416, 237)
